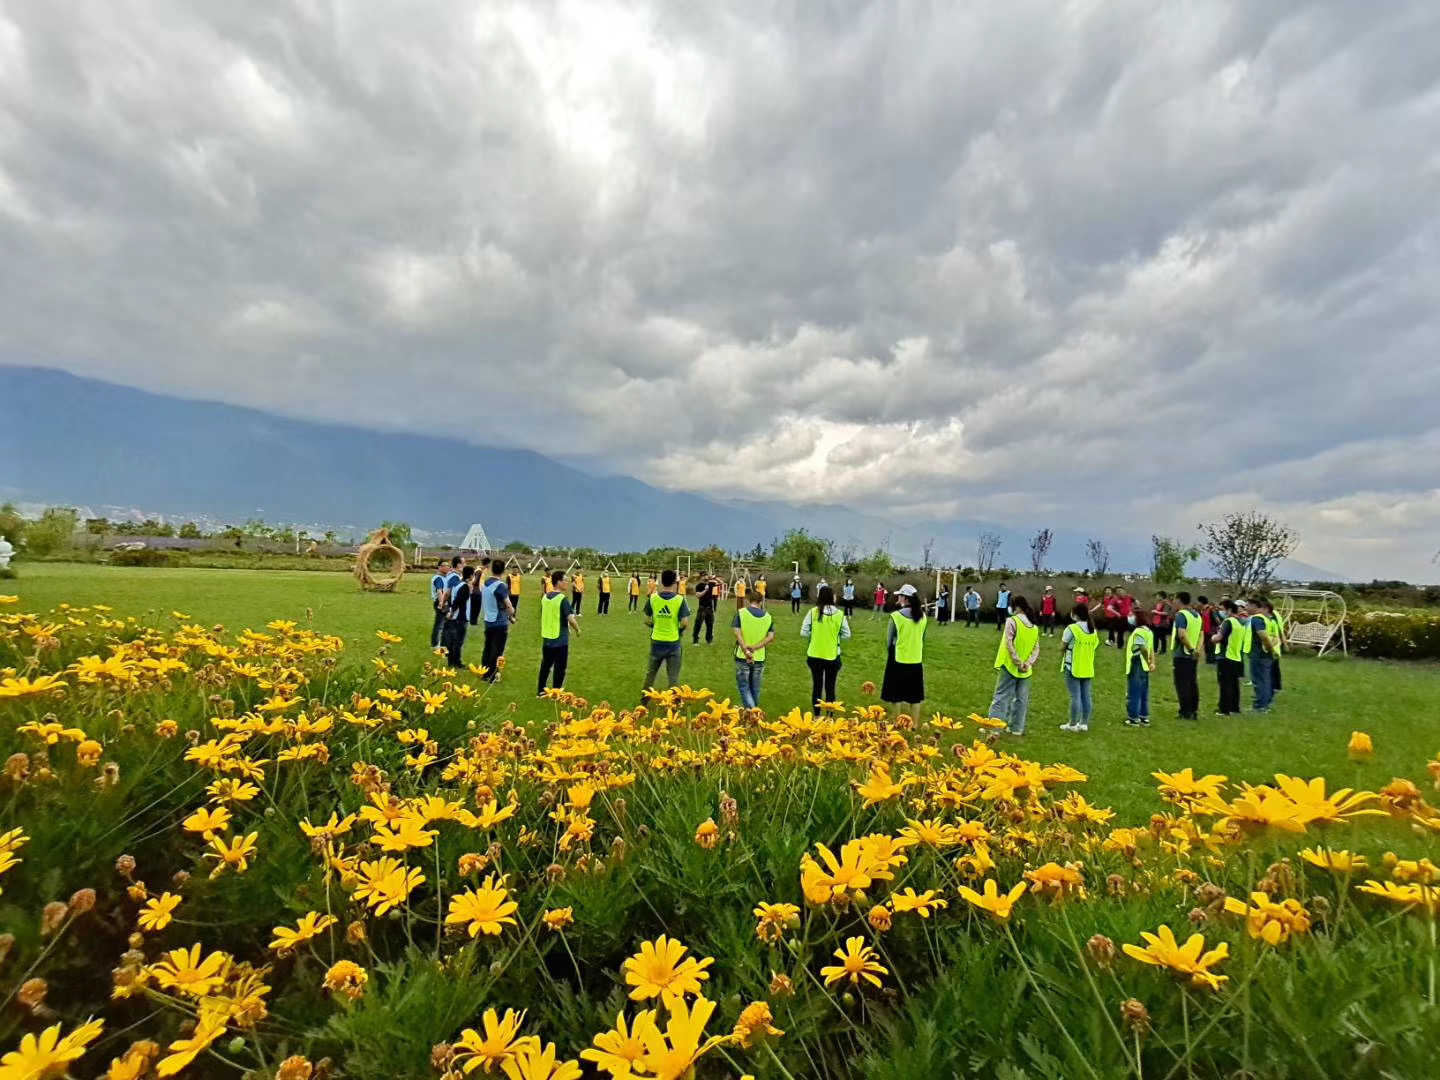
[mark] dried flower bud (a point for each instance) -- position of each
(355, 932)
(136, 940)
(125, 865)
(1210, 894)
(32, 993)
(1134, 1016)
(81, 901)
(180, 878)
(618, 848)
(52, 917)
(17, 767)
(780, 985)
(729, 810)
(441, 1055)
(1117, 885)
(7, 942)
(1101, 949)
(879, 917)
(554, 872)
(1198, 916)
(294, 1068)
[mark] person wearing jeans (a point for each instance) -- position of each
(437, 601)
(825, 626)
(1185, 637)
(754, 629)
(557, 622)
(1139, 659)
(1081, 641)
(1014, 663)
(1261, 662)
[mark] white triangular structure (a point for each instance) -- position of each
(475, 539)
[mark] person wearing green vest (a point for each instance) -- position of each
(1262, 656)
(1139, 659)
(1231, 643)
(667, 614)
(1081, 641)
(557, 623)
(826, 626)
(1275, 626)
(904, 682)
(1014, 664)
(1186, 635)
(754, 629)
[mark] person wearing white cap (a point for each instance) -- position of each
(904, 682)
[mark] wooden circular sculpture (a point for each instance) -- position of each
(382, 580)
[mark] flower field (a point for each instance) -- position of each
(278, 853)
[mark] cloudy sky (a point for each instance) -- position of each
(1087, 264)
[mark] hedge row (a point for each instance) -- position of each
(1407, 635)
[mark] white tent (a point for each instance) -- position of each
(475, 539)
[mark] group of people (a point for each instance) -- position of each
(1229, 635)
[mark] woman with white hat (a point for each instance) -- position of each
(904, 682)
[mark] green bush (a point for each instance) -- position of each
(149, 557)
(1409, 635)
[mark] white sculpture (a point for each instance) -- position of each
(7, 550)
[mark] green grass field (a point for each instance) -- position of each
(1306, 734)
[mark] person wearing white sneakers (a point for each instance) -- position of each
(1081, 641)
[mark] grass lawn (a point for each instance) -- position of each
(1305, 735)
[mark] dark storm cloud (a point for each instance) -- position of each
(1107, 262)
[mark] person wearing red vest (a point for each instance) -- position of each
(1047, 611)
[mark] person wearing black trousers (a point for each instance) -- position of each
(706, 593)
(437, 601)
(455, 619)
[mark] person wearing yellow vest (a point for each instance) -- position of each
(1262, 656)
(760, 587)
(1081, 641)
(1275, 627)
(1232, 643)
(603, 608)
(1014, 664)
(667, 614)
(557, 623)
(634, 594)
(826, 626)
(577, 591)
(740, 590)
(904, 682)
(754, 629)
(1139, 659)
(1186, 634)
(512, 582)
(651, 586)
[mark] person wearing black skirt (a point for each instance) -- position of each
(905, 654)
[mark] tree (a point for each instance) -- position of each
(330, 536)
(811, 552)
(877, 564)
(97, 526)
(757, 554)
(190, 531)
(1098, 555)
(987, 549)
(519, 547)
(54, 530)
(400, 534)
(1039, 549)
(1244, 548)
(1168, 559)
(927, 553)
(713, 556)
(12, 525)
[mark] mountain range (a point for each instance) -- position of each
(75, 441)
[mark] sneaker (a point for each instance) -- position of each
(1132, 722)
(1068, 727)
(1144, 721)
(1081, 727)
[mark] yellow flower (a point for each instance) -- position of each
(389, 639)
(1361, 748)
(236, 853)
(533, 1062)
(1342, 862)
(490, 815)
(208, 822)
(135, 1062)
(87, 753)
(158, 912)
(922, 903)
(184, 971)
(1272, 923)
(559, 918)
(310, 926)
(879, 787)
(1191, 959)
(658, 970)
(707, 834)
(774, 920)
(1314, 806)
(879, 918)
(936, 834)
(184, 1051)
(348, 978)
(991, 900)
(486, 910)
(501, 1041)
(857, 961)
(1404, 895)
(621, 1050)
(1183, 788)
(48, 1054)
(25, 687)
(756, 1022)
(1055, 880)
(672, 1055)
(432, 701)
(385, 883)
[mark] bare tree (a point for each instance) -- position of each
(1098, 556)
(1039, 549)
(1244, 548)
(927, 552)
(987, 549)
